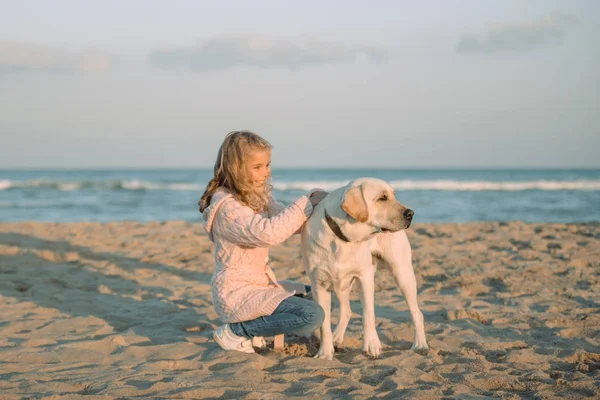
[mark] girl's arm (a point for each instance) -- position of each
(240, 225)
(275, 206)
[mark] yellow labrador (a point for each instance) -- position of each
(352, 226)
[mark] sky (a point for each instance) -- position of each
(343, 84)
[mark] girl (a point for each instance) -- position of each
(243, 220)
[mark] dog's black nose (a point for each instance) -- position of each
(408, 214)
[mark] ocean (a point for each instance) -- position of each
(436, 195)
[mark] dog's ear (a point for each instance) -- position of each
(354, 204)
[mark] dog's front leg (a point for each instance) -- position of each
(408, 285)
(323, 297)
(343, 295)
(371, 343)
(402, 269)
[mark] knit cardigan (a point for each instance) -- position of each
(243, 286)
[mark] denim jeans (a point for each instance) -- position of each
(292, 315)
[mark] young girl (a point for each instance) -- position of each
(243, 220)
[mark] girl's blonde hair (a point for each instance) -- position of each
(230, 171)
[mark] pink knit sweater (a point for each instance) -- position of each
(243, 285)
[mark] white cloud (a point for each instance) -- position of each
(23, 57)
(227, 52)
(513, 36)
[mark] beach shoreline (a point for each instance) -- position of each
(123, 309)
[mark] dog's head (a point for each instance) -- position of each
(373, 202)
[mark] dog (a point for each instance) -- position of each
(349, 229)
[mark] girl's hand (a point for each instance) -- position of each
(316, 196)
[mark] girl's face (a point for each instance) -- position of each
(258, 168)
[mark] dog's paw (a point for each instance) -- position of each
(420, 348)
(325, 353)
(372, 347)
(339, 348)
(338, 338)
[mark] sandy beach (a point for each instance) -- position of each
(123, 310)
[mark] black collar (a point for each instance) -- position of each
(335, 227)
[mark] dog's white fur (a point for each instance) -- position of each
(368, 214)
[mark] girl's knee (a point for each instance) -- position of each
(318, 316)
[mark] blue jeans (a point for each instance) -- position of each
(292, 315)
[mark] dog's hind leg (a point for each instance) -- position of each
(322, 296)
(399, 257)
(343, 296)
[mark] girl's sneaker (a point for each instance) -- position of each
(228, 340)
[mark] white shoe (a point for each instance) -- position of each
(228, 340)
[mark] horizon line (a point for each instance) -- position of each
(308, 168)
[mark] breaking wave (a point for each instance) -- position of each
(402, 185)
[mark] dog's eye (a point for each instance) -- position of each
(383, 198)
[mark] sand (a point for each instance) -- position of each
(123, 310)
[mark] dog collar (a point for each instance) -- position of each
(335, 227)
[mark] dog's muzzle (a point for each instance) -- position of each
(403, 221)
